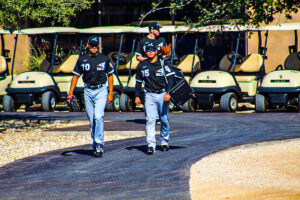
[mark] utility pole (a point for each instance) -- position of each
(173, 23)
(99, 14)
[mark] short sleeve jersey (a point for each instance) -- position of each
(93, 68)
(152, 74)
(141, 47)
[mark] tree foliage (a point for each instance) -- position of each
(252, 12)
(15, 13)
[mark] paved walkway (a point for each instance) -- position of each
(126, 172)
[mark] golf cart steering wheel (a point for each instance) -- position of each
(279, 67)
(57, 59)
(122, 60)
(36, 69)
(175, 60)
(239, 58)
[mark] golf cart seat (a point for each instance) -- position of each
(226, 63)
(134, 63)
(247, 76)
(252, 64)
(124, 62)
(63, 73)
(123, 79)
(292, 62)
(186, 64)
(3, 65)
(67, 66)
(249, 68)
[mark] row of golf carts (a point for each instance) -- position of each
(236, 79)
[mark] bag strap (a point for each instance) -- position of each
(162, 63)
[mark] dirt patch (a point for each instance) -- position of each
(258, 171)
(23, 138)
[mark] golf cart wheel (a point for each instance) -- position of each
(260, 103)
(229, 102)
(189, 106)
(9, 104)
(171, 106)
(125, 103)
(48, 101)
(116, 102)
(299, 103)
(110, 107)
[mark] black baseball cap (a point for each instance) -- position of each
(154, 25)
(93, 40)
(150, 47)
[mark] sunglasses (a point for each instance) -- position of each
(94, 46)
(150, 49)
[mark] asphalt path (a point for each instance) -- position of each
(126, 171)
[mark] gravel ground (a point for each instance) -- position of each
(20, 139)
(267, 170)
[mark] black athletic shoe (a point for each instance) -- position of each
(150, 150)
(165, 147)
(98, 150)
(158, 122)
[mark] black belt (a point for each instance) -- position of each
(156, 91)
(94, 86)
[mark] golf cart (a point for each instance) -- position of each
(235, 80)
(114, 34)
(186, 64)
(46, 87)
(5, 76)
(281, 88)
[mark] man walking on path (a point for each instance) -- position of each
(95, 67)
(151, 38)
(158, 77)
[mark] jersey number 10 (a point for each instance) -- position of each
(86, 67)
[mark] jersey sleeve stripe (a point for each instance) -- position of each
(112, 71)
(76, 73)
(169, 74)
(137, 80)
(138, 54)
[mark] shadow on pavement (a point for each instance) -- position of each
(137, 121)
(78, 151)
(143, 148)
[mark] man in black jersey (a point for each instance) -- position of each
(152, 37)
(158, 77)
(95, 68)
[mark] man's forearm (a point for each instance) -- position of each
(141, 58)
(110, 84)
(73, 84)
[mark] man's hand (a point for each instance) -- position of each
(69, 98)
(167, 97)
(110, 98)
(137, 101)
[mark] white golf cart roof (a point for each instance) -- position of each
(107, 29)
(281, 27)
(47, 30)
(203, 29)
(166, 29)
(226, 28)
(4, 31)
